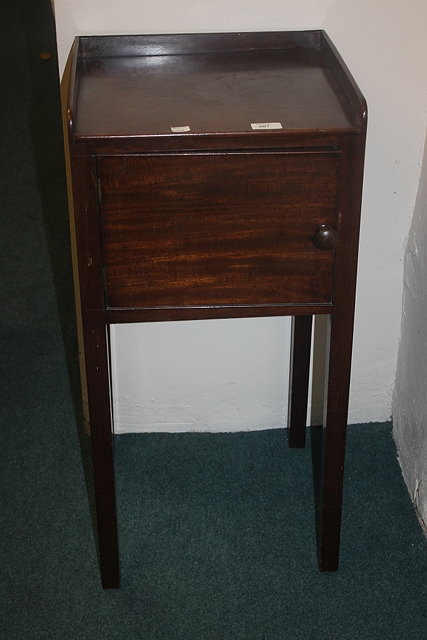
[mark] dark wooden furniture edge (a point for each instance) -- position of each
(263, 141)
(345, 79)
(72, 90)
(113, 316)
(197, 43)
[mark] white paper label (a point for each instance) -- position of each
(266, 125)
(180, 129)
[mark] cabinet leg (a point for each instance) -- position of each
(298, 380)
(98, 379)
(329, 504)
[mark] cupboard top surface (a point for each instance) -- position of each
(132, 86)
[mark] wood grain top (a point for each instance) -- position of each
(171, 85)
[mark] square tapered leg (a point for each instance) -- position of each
(98, 380)
(299, 379)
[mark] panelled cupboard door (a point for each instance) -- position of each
(217, 228)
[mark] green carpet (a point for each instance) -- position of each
(216, 531)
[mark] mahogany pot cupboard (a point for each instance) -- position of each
(217, 176)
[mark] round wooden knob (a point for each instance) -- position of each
(325, 237)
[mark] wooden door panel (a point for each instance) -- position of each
(217, 229)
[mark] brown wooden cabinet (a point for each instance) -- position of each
(217, 176)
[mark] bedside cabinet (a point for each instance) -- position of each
(217, 176)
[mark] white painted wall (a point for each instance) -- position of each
(232, 374)
(97, 17)
(211, 374)
(410, 394)
(385, 46)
